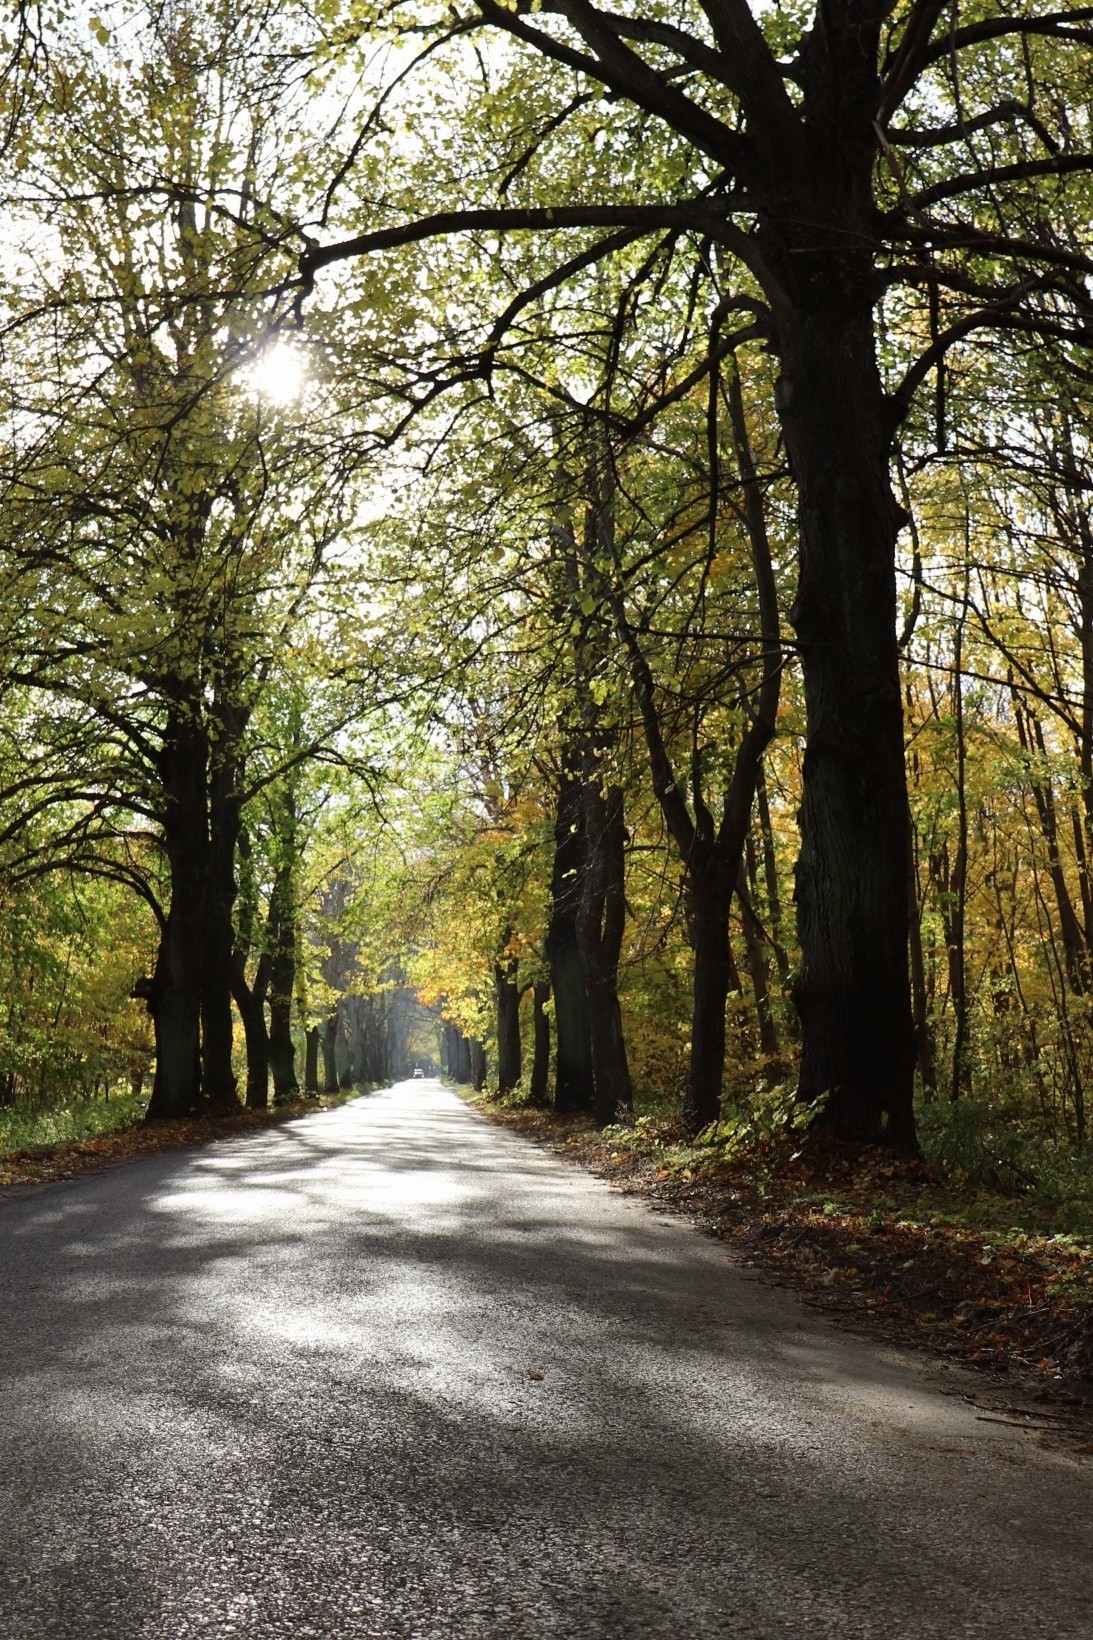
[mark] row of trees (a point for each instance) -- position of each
(996, 867)
(877, 195)
(178, 503)
(627, 560)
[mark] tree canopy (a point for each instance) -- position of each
(501, 503)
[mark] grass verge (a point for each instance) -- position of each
(64, 1142)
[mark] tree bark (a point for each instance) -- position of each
(600, 920)
(852, 992)
(509, 1048)
(709, 896)
(540, 1064)
(173, 994)
(573, 1088)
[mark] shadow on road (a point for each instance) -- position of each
(387, 1370)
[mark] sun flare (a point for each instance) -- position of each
(279, 373)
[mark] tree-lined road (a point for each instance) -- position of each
(389, 1371)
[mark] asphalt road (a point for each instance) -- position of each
(390, 1371)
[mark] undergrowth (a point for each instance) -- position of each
(25, 1127)
(982, 1169)
(970, 1143)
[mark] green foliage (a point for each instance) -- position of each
(175, 541)
(771, 1114)
(70, 1118)
(976, 1142)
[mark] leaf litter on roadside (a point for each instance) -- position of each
(881, 1241)
(70, 1158)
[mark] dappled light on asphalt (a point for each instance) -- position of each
(389, 1371)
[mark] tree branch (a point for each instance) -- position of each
(511, 219)
(1054, 165)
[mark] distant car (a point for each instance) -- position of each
(418, 1071)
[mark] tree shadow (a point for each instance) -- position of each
(387, 1371)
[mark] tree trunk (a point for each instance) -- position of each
(509, 1050)
(711, 850)
(477, 1057)
(219, 1085)
(600, 920)
(852, 991)
(173, 994)
(251, 1002)
(770, 880)
(710, 895)
(343, 1058)
(540, 1064)
(956, 906)
(311, 1060)
(924, 1038)
(573, 1088)
(758, 966)
(282, 1053)
(329, 1040)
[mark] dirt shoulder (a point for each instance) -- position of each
(885, 1247)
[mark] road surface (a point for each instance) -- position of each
(389, 1371)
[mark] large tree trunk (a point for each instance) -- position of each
(573, 1087)
(852, 991)
(173, 994)
(509, 1050)
(477, 1065)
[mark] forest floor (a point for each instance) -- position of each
(890, 1248)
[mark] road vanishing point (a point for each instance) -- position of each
(391, 1371)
